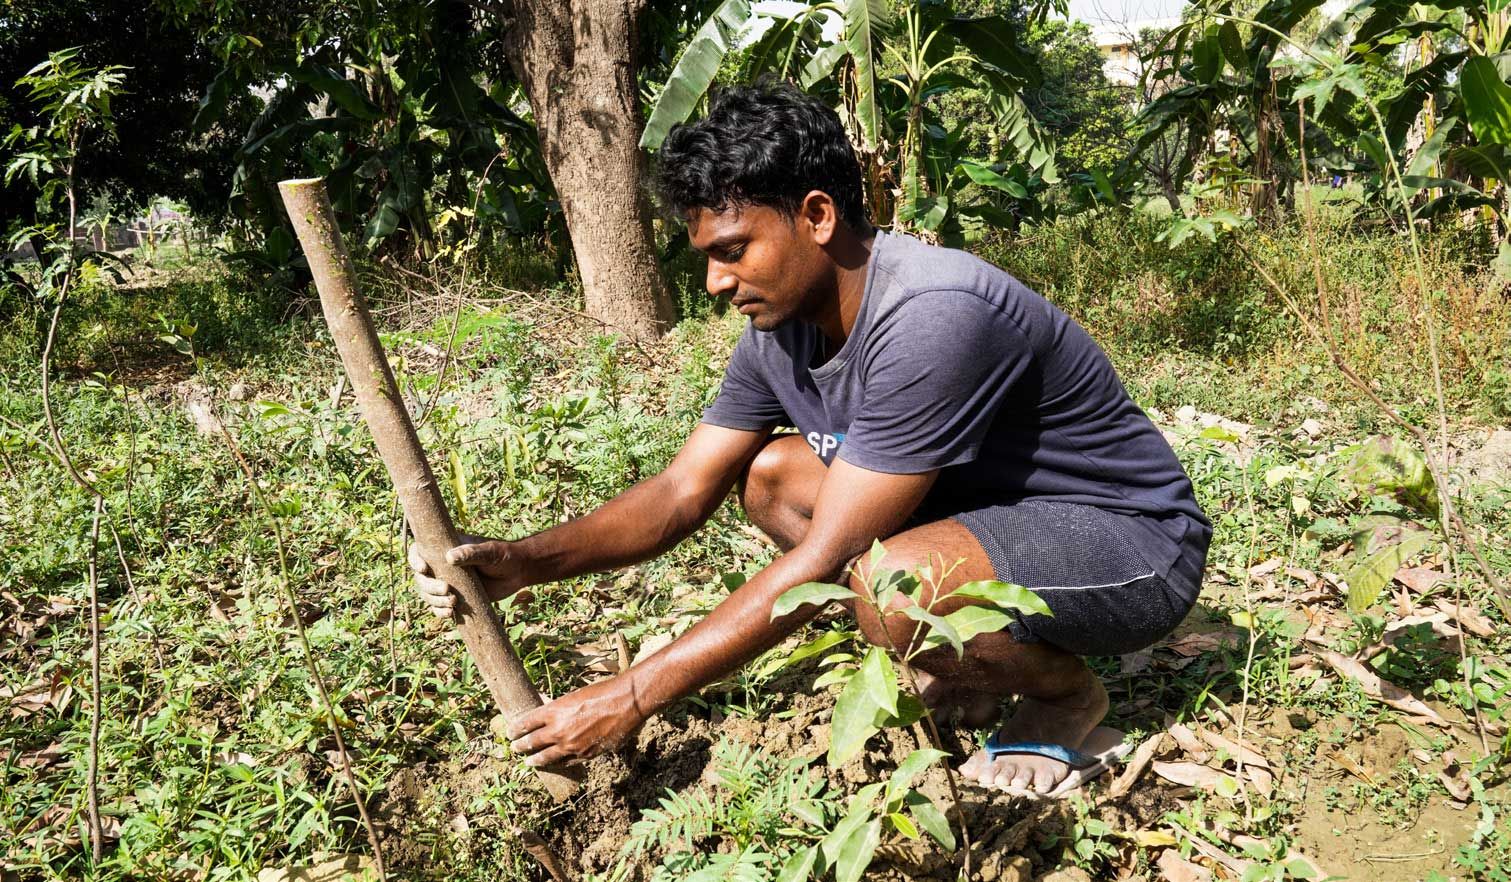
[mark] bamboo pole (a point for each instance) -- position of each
(383, 410)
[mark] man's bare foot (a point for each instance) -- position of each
(1065, 721)
(949, 700)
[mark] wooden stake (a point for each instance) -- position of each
(383, 409)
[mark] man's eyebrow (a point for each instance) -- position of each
(722, 242)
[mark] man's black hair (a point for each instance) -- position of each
(766, 144)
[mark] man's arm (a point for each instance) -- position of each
(650, 517)
(638, 524)
(855, 506)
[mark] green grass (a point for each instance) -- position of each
(214, 751)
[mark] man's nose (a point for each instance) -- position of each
(720, 282)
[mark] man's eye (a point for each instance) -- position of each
(733, 255)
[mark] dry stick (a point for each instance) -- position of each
(309, 654)
(92, 779)
(399, 447)
(928, 717)
(1431, 461)
(1437, 376)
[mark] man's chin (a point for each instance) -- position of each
(767, 322)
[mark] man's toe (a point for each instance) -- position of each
(1048, 777)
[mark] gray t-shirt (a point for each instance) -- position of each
(955, 365)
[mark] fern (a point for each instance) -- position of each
(759, 810)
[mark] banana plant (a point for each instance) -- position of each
(881, 67)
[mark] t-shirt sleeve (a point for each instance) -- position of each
(745, 400)
(937, 373)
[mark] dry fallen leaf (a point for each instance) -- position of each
(651, 645)
(1234, 749)
(1209, 641)
(1269, 566)
(1468, 617)
(1380, 689)
(1175, 868)
(1419, 579)
(1188, 741)
(346, 868)
(1140, 760)
(1189, 774)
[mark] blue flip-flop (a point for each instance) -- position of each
(1095, 755)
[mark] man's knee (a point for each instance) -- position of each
(765, 482)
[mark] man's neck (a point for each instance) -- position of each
(851, 255)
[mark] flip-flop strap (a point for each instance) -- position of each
(1073, 758)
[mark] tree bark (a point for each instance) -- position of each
(383, 409)
(576, 61)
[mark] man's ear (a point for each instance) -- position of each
(818, 216)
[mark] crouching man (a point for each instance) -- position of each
(940, 406)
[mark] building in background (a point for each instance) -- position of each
(1118, 41)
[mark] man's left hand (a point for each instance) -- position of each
(578, 725)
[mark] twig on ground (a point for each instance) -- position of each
(92, 777)
(328, 706)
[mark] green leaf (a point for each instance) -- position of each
(806, 593)
(903, 825)
(879, 679)
(821, 64)
(938, 626)
(968, 621)
(907, 770)
(1485, 160)
(854, 722)
(817, 645)
(994, 39)
(861, 811)
(867, 23)
(1232, 47)
(1487, 101)
(1206, 56)
(1368, 579)
(1392, 466)
(856, 851)
(695, 70)
(1431, 150)
(1375, 151)
(1501, 265)
(931, 819)
(798, 867)
(1005, 595)
(986, 177)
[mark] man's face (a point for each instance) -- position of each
(771, 267)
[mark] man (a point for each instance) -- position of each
(940, 406)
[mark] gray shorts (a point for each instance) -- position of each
(1106, 599)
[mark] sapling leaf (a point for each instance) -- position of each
(931, 819)
(937, 626)
(806, 593)
(861, 810)
(903, 825)
(907, 770)
(854, 721)
(968, 621)
(856, 851)
(799, 866)
(879, 679)
(1005, 595)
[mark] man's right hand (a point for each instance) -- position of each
(493, 559)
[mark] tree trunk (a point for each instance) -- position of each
(576, 60)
